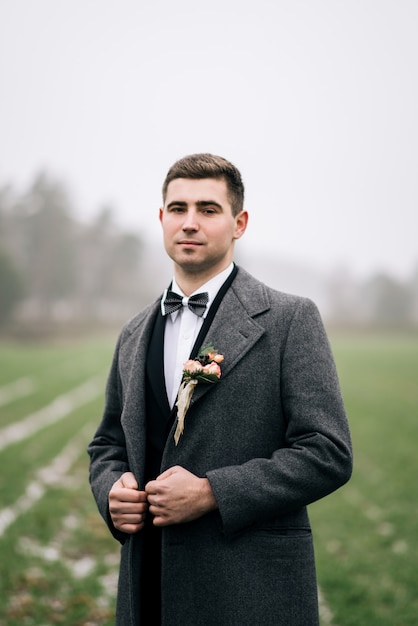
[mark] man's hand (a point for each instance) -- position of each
(128, 506)
(178, 496)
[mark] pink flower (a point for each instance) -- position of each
(212, 368)
(192, 366)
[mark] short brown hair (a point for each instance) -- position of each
(205, 165)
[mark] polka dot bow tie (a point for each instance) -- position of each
(174, 302)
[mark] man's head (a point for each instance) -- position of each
(202, 217)
(207, 165)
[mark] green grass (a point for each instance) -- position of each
(365, 533)
(52, 371)
(59, 563)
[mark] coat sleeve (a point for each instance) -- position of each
(316, 458)
(107, 450)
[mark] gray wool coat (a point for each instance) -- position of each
(271, 436)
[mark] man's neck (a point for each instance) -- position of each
(189, 283)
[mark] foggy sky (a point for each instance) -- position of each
(315, 101)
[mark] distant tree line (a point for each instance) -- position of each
(381, 301)
(57, 272)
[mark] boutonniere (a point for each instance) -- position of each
(204, 369)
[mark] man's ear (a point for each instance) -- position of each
(241, 222)
(160, 216)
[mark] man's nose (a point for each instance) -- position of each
(190, 221)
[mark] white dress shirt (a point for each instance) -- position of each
(181, 330)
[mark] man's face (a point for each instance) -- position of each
(198, 226)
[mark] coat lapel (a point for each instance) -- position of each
(234, 329)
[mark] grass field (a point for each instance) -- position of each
(58, 563)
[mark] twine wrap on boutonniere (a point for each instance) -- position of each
(204, 369)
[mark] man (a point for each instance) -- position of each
(208, 496)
